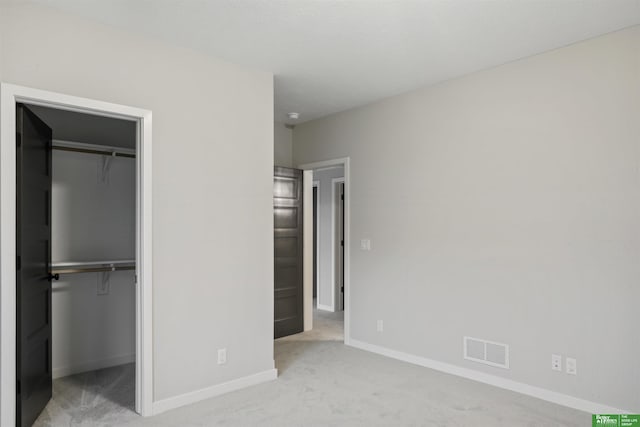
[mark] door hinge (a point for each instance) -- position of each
(18, 262)
(18, 387)
(341, 242)
(342, 197)
(342, 289)
(18, 139)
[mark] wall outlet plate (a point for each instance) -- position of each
(572, 366)
(556, 362)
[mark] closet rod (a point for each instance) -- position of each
(88, 151)
(66, 270)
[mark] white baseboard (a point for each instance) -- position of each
(325, 307)
(496, 381)
(216, 390)
(93, 365)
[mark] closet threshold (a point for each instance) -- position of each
(91, 266)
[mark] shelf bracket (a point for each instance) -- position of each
(104, 282)
(106, 167)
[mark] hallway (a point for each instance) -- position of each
(327, 326)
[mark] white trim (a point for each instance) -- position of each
(324, 307)
(65, 371)
(334, 208)
(494, 380)
(9, 96)
(326, 168)
(307, 261)
(346, 163)
(316, 184)
(325, 164)
(213, 391)
(144, 266)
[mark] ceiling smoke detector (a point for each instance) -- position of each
(294, 116)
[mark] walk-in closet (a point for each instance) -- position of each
(91, 309)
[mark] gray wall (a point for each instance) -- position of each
(325, 215)
(211, 219)
(503, 205)
(92, 221)
(282, 145)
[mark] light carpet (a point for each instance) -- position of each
(321, 383)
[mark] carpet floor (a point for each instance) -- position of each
(321, 382)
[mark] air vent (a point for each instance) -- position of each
(487, 352)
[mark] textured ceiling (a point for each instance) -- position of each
(328, 56)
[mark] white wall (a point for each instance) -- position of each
(212, 182)
(503, 205)
(325, 214)
(282, 145)
(92, 220)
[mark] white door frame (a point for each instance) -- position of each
(334, 208)
(316, 184)
(9, 96)
(344, 162)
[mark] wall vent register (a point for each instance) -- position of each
(486, 352)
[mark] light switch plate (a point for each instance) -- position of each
(365, 244)
(572, 366)
(222, 356)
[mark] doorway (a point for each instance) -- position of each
(330, 283)
(329, 239)
(337, 244)
(11, 271)
(83, 210)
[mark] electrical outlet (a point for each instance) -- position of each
(222, 356)
(556, 362)
(572, 366)
(380, 326)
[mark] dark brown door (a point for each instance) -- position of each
(33, 252)
(287, 217)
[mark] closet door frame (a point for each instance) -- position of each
(10, 95)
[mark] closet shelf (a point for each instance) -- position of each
(104, 150)
(92, 266)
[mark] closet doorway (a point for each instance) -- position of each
(76, 261)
